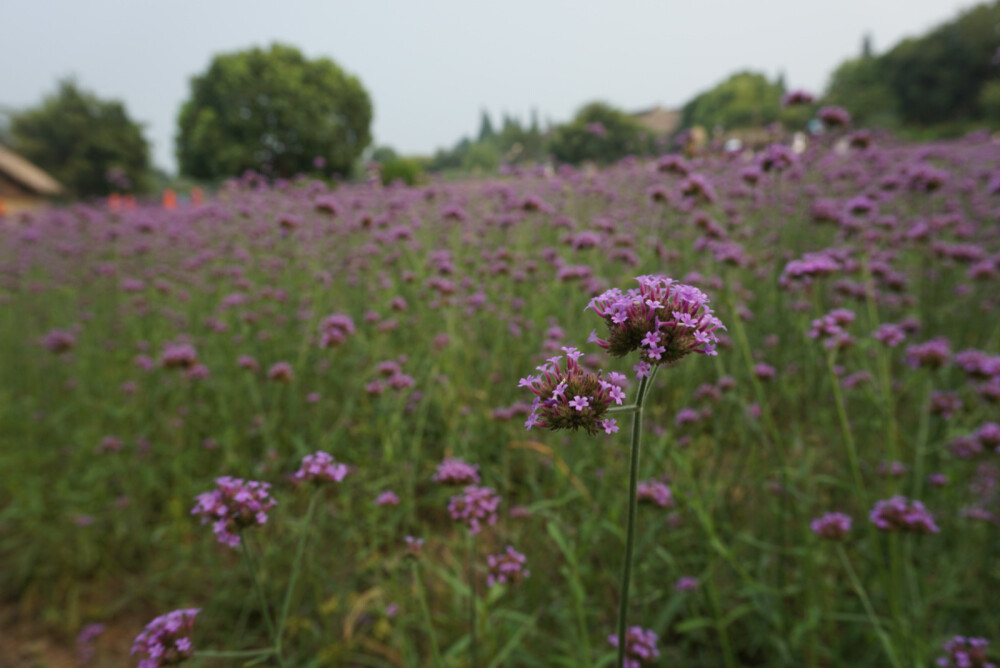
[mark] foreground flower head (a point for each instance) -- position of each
(833, 526)
(166, 641)
(506, 567)
(663, 319)
(474, 506)
(234, 506)
(640, 647)
(902, 514)
(320, 467)
(962, 652)
(573, 397)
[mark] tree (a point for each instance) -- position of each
(598, 133)
(746, 99)
(937, 78)
(89, 145)
(858, 86)
(274, 111)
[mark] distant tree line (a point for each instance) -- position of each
(275, 111)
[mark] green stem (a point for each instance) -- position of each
(244, 654)
(425, 610)
(633, 482)
(472, 600)
(296, 567)
(260, 595)
(869, 610)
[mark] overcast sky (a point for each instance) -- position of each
(431, 66)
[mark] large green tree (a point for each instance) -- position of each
(272, 110)
(858, 86)
(746, 99)
(89, 145)
(598, 133)
(938, 78)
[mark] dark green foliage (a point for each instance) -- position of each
(858, 86)
(272, 110)
(598, 133)
(407, 170)
(78, 139)
(746, 99)
(937, 78)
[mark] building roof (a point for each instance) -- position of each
(659, 120)
(19, 170)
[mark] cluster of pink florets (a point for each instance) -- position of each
(235, 505)
(662, 319)
(506, 567)
(166, 641)
(573, 397)
(640, 647)
(320, 467)
(335, 329)
(475, 506)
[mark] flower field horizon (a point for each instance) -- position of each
(323, 382)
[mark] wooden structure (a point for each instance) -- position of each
(23, 186)
(658, 120)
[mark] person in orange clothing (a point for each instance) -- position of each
(114, 202)
(169, 199)
(197, 196)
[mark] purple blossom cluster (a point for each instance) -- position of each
(654, 492)
(506, 567)
(233, 506)
(572, 397)
(902, 514)
(166, 641)
(832, 526)
(963, 652)
(475, 506)
(664, 320)
(640, 647)
(335, 329)
(932, 354)
(320, 467)
(831, 329)
(455, 471)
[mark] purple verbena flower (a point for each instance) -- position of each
(474, 506)
(962, 652)
(166, 641)
(833, 526)
(902, 514)
(664, 320)
(506, 567)
(640, 646)
(656, 492)
(572, 397)
(453, 471)
(320, 467)
(235, 505)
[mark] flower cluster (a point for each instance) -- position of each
(335, 329)
(686, 583)
(59, 341)
(320, 467)
(474, 506)
(178, 356)
(640, 646)
(833, 526)
(962, 652)
(234, 506)
(166, 641)
(453, 471)
(663, 319)
(506, 567)
(932, 354)
(830, 329)
(654, 491)
(902, 514)
(795, 98)
(573, 398)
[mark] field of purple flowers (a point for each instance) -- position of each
(328, 378)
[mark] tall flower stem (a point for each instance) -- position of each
(633, 483)
(425, 610)
(265, 611)
(473, 654)
(296, 568)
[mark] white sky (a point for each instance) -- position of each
(431, 66)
